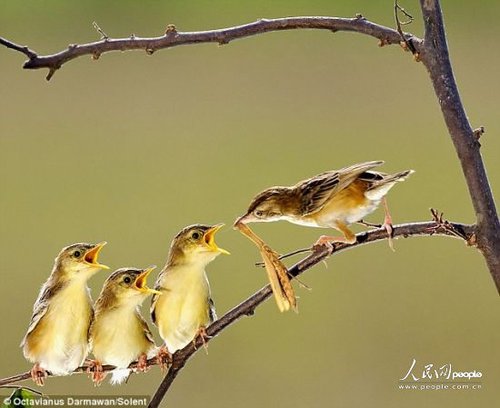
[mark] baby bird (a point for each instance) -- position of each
(57, 337)
(185, 308)
(119, 335)
(334, 199)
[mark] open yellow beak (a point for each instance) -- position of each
(92, 254)
(141, 281)
(209, 239)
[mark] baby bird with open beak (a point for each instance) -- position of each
(119, 335)
(185, 308)
(57, 337)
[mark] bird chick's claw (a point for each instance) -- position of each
(164, 358)
(203, 335)
(38, 375)
(96, 372)
(142, 363)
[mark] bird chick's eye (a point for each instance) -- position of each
(259, 213)
(196, 235)
(127, 279)
(77, 254)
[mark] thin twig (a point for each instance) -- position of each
(173, 38)
(80, 370)
(288, 255)
(301, 283)
(104, 36)
(407, 43)
(369, 224)
(21, 48)
(402, 10)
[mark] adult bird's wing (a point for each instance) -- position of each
(316, 191)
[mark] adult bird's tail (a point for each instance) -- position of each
(381, 187)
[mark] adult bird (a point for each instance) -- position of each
(334, 199)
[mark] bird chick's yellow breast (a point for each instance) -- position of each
(60, 339)
(183, 306)
(118, 337)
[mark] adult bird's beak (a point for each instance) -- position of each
(141, 284)
(241, 220)
(209, 239)
(92, 254)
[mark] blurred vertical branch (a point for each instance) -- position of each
(434, 55)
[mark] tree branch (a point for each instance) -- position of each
(173, 38)
(23, 49)
(434, 55)
(439, 227)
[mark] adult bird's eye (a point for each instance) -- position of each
(77, 254)
(127, 279)
(195, 235)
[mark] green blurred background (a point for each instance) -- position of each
(131, 148)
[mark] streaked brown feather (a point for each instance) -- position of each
(316, 191)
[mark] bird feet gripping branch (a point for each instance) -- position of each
(326, 241)
(164, 358)
(203, 336)
(96, 372)
(142, 363)
(387, 225)
(38, 375)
